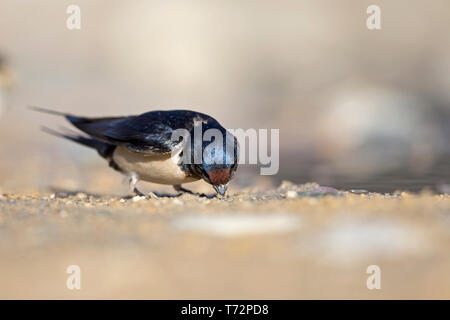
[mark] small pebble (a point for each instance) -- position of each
(291, 194)
(81, 195)
(178, 202)
(359, 191)
(138, 198)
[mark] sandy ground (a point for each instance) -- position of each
(290, 242)
(312, 69)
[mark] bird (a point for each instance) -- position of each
(142, 147)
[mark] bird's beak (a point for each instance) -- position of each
(221, 189)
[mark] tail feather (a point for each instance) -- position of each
(49, 111)
(73, 119)
(77, 121)
(104, 149)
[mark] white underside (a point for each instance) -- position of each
(162, 169)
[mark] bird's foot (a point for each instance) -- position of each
(182, 190)
(150, 195)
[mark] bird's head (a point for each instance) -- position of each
(219, 165)
(219, 160)
(218, 177)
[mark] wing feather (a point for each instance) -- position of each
(148, 133)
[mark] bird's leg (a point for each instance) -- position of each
(133, 180)
(138, 193)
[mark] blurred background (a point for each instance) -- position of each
(355, 108)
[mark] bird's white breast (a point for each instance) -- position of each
(163, 169)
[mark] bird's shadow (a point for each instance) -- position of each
(65, 193)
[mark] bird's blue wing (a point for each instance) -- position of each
(153, 137)
(149, 133)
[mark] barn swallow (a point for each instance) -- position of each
(142, 147)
